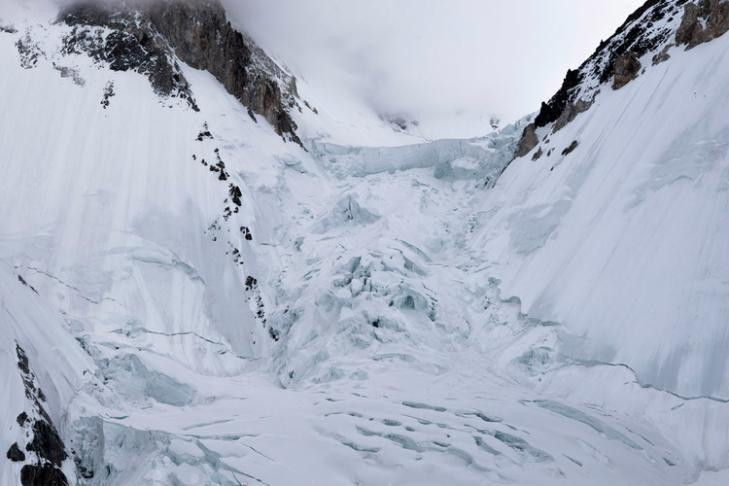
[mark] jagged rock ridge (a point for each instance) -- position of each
(148, 37)
(655, 27)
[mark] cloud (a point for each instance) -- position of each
(434, 58)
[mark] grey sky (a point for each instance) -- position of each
(434, 58)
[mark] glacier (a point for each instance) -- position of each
(187, 298)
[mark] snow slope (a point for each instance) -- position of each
(625, 239)
(203, 303)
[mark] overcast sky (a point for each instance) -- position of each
(430, 59)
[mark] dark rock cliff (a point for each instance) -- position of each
(203, 38)
(115, 38)
(639, 34)
(655, 27)
(149, 36)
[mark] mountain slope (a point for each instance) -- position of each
(202, 302)
(619, 226)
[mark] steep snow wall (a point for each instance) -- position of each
(110, 189)
(616, 225)
(42, 368)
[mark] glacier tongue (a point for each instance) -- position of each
(199, 302)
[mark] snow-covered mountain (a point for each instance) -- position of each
(209, 277)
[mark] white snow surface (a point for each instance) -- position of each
(436, 321)
(626, 239)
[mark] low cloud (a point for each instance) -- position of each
(434, 58)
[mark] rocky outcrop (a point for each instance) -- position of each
(7, 29)
(538, 154)
(122, 42)
(552, 109)
(662, 56)
(44, 466)
(653, 28)
(203, 38)
(703, 22)
(529, 140)
(28, 51)
(649, 29)
(625, 69)
(570, 112)
(639, 34)
(571, 147)
(149, 36)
